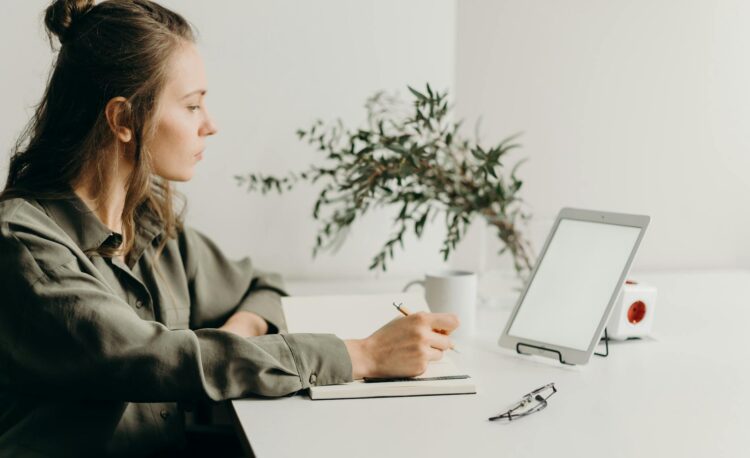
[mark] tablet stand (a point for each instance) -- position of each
(559, 355)
(606, 345)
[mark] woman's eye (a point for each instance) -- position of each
(194, 107)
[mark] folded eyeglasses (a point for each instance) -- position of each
(530, 403)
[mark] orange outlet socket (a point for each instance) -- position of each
(636, 312)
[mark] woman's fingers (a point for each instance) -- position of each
(405, 346)
(443, 321)
(439, 341)
(434, 354)
(435, 328)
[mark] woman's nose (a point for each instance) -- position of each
(209, 127)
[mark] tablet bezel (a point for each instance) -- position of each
(565, 354)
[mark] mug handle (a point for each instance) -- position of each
(412, 283)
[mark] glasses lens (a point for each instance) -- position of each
(535, 405)
(520, 412)
(545, 392)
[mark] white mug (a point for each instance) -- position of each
(452, 291)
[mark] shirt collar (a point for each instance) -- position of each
(148, 226)
(89, 233)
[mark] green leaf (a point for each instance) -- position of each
(515, 167)
(500, 191)
(419, 225)
(366, 150)
(417, 94)
(404, 208)
(504, 143)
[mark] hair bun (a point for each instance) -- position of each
(61, 14)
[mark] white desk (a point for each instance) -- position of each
(685, 393)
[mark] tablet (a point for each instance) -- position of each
(570, 293)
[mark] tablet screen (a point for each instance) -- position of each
(574, 283)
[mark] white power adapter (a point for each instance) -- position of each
(633, 313)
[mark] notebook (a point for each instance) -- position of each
(358, 316)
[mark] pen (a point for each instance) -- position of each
(405, 312)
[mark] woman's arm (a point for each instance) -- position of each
(220, 288)
(399, 349)
(245, 324)
(64, 331)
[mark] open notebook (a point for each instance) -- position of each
(356, 317)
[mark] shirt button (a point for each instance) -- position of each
(164, 414)
(139, 304)
(313, 378)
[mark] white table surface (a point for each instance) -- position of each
(684, 393)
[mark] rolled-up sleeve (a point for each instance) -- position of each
(220, 286)
(65, 333)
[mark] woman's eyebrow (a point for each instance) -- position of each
(197, 91)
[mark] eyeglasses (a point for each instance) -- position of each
(530, 403)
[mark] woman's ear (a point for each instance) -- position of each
(117, 112)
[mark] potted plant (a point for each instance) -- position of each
(413, 157)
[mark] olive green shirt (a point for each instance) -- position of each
(99, 357)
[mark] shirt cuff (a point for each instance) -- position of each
(267, 305)
(321, 359)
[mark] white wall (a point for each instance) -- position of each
(639, 106)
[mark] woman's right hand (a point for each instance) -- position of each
(403, 347)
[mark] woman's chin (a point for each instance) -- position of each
(183, 175)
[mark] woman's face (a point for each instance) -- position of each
(182, 120)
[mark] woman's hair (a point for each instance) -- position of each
(115, 48)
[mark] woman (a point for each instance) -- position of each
(114, 314)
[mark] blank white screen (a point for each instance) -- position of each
(574, 283)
